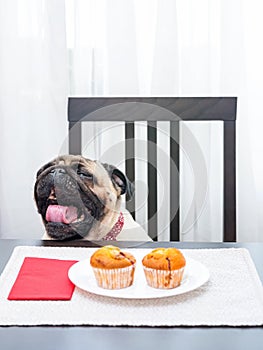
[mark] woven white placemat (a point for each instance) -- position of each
(233, 296)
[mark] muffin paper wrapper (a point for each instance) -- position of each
(114, 278)
(164, 279)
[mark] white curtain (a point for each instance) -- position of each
(127, 48)
(33, 97)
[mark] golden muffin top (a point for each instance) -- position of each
(110, 257)
(164, 259)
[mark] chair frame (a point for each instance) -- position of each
(80, 109)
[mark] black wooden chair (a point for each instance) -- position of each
(174, 110)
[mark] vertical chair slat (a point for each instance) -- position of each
(129, 162)
(229, 181)
(74, 138)
(152, 179)
(174, 182)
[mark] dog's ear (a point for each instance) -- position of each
(120, 180)
(44, 167)
(40, 171)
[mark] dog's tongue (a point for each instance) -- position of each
(60, 213)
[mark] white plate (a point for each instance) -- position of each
(195, 275)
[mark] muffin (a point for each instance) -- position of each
(113, 268)
(164, 268)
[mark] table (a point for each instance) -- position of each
(128, 338)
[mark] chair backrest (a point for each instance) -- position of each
(176, 109)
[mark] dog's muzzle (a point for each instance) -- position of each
(68, 207)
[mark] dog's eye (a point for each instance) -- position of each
(85, 175)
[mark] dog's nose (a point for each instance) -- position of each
(58, 171)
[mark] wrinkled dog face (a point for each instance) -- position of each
(73, 194)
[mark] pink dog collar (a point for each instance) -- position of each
(112, 235)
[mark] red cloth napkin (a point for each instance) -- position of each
(43, 279)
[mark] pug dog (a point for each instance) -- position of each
(79, 198)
